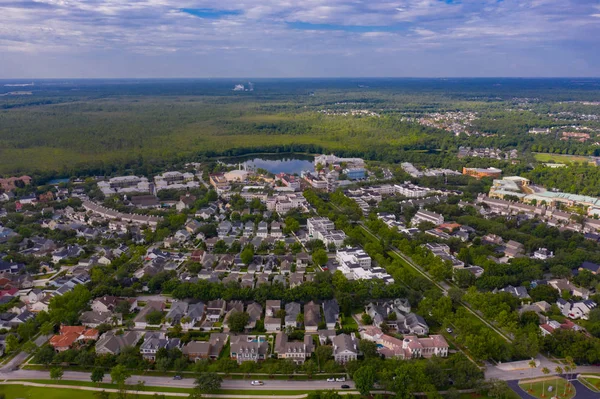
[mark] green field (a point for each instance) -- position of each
(539, 389)
(25, 392)
(559, 158)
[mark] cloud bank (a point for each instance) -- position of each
(289, 38)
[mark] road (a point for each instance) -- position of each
(21, 356)
(283, 385)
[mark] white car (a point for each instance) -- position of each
(331, 380)
(341, 379)
(257, 383)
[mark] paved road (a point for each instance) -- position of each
(21, 356)
(184, 383)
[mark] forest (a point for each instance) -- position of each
(90, 127)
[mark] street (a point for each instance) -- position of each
(184, 383)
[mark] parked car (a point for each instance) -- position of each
(449, 330)
(331, 379)
(345, 386)
(257, 383)
(177, 377)
(341, 379)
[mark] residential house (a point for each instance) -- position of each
(198, 350)
(195, 314)
(345, 348)
(296, 352)
(272, 324)
(292, 310)
(69, 335)
(564, 285)
(519, 292)
(591, 267)
(255, 311)
(151, 306)
(93, 319)
(312, 316)
(154, 341)
(244, 348)
(272, 307)
(215, 310)
(331, 312)
(113, 343)
(576, 309)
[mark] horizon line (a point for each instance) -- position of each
(307, 77)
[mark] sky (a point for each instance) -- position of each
(298, 38)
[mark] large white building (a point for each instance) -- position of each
(332, 160)
(175, 180)
(355, 264)
(426, 216)
(124, 184)
(410, 190)
(284, 203)
(321, 228)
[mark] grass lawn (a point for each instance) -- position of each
(24, 392)
(539, 389)
(559, 158)
(170, 389)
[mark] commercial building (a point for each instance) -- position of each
(479, 173)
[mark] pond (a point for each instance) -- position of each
(277, 163)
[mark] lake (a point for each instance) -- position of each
(277, 163)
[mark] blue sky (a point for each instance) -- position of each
(292, 38)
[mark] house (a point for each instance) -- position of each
(177, 311)
(519, 292)
(154, 341)
(564, 285)
(151, 306)
(590, 266)
(345, 348)
(197, 350)
(296, 352)
(408, 348)
(272, 324)
(331, 312)
(185, 202)
(113, 343)
(68, 335)
(514, 249)
(215, 310)
(426, 216)
(254, 310)
(104, 304)
(302, 259)
(543, 254)
(244, 348)
(195, 314)
(312, 316)
(576, 309)
(272, 307)
(292, 310)
(93, 319)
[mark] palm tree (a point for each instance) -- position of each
(567, 369)
(559, 371)
(573, 367)
(532, 365)
(546, 372)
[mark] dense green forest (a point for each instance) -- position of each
(86, 127)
